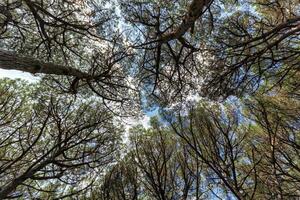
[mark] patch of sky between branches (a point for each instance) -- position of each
(14, 74)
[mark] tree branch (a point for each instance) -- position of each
(12, 61)
(196, 9)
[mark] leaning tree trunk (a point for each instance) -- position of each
(13, 61)
(195, 10)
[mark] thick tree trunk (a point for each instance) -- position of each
(12, 61)
(195, 10)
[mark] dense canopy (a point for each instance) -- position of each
(219, 77)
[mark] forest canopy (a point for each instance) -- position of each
(220, 76)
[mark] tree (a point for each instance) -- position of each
(120, 182)
(63, 38)
(246, 151)
(51, 142)
(254, 47)
(215, 59)
(221, 143)
(102, 60)
(158, 166)
(278, 133)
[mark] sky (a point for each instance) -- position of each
(14, 74)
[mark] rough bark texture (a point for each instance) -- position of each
(196, 9)
(12, 61)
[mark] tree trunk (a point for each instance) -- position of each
(195, 10)
(12, 61)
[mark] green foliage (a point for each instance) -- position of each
(103, 61)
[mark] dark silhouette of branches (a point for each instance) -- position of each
(57, 139)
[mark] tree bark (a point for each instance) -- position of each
(12, 61)
(196, 9)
